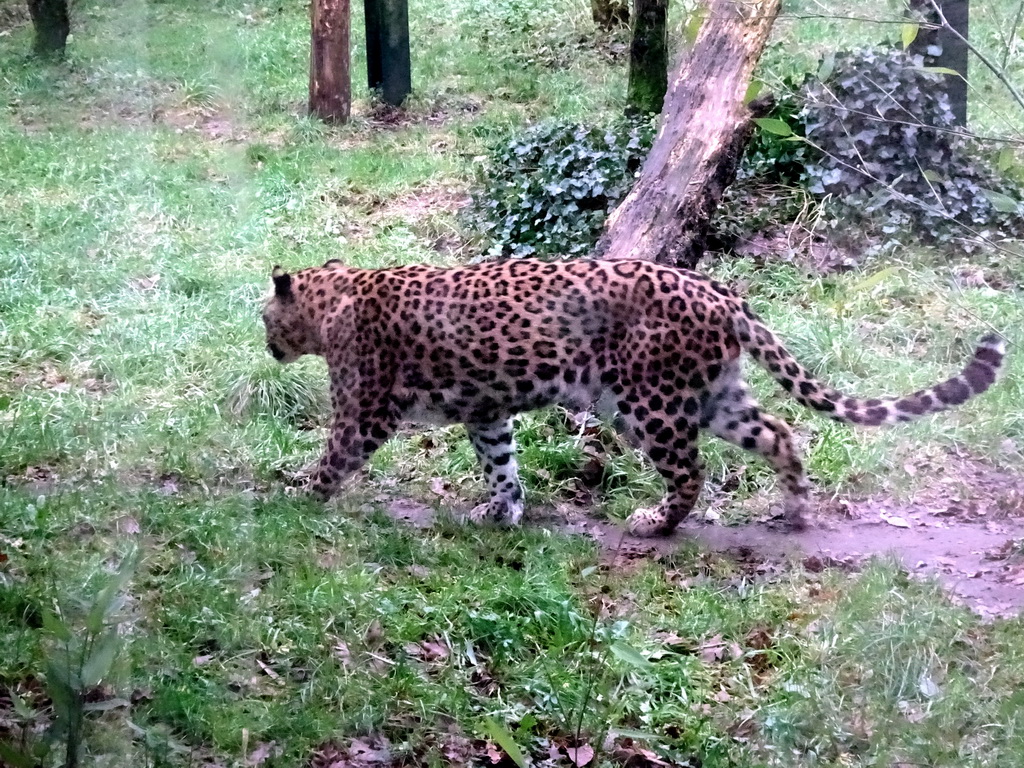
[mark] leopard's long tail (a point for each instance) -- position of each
(762, 345)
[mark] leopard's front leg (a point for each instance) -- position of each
(495, 448)
(361, 425)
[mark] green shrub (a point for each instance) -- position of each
(549, 191)
(889, 149)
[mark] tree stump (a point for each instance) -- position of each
(51, 24)
(704, 128)
(330, 87)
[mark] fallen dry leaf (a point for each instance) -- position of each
(442, 488)
(632, 755)
(374, 634)
(434, 649)
(580, 755)
(342, 653)
(268, 671)
(717, 649)
(128, 525)
(259, 755)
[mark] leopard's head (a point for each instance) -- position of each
(290, 334)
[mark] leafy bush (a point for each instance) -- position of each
(549, 191)
(769, 157)
(888, 148)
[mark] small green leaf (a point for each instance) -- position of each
(500, 736)
(58, 685)
(753, 90)
(98, 664)
(629, 733)
(12, 757)
(828, 64)
(590, 570)
(630, 655)
(526, 722)
(939, 70)
(1006, 158)
(693, 25)
(105, 705)
(1002, 203)
(54, 626)
(875, 279)
(909, 33)
(774, 125)
(107, 600)
(931, 175)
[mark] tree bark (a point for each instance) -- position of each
(52, 26)
(388, 65)
(703, 131)
(330, 87)
(609, 14)
(942, 47)
(648, 57)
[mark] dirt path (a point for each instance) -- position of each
(967, 529)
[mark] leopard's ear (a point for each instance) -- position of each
(282, 282)
(334, 263)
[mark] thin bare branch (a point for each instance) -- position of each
(1012, 35)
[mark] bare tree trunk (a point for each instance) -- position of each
(943, 47)
(52, 26)
(648, 57)
(609, 14)
(704, 128)
(330, 88)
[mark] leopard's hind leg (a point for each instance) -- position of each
(736, 417)
(669, 438)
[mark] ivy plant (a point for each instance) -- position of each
(548, 191)
(885, 144)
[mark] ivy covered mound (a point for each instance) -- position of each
(886, 145)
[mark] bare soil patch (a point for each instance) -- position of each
(12, 16)
(966, 529)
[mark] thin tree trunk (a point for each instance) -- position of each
(951, 48)
(330, 88)
(704, 129)
(388, 66)
(648, 57)
(52, 26)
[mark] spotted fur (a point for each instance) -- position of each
(478, 344)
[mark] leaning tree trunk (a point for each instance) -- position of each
(52, 26)
(703, 129)
(330, 88)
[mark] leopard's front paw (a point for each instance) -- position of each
(497, 512)
(320, 486)
(797, 514)
(648, 522)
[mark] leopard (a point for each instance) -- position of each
(658, 347)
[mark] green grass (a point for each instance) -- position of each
(149, 184)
